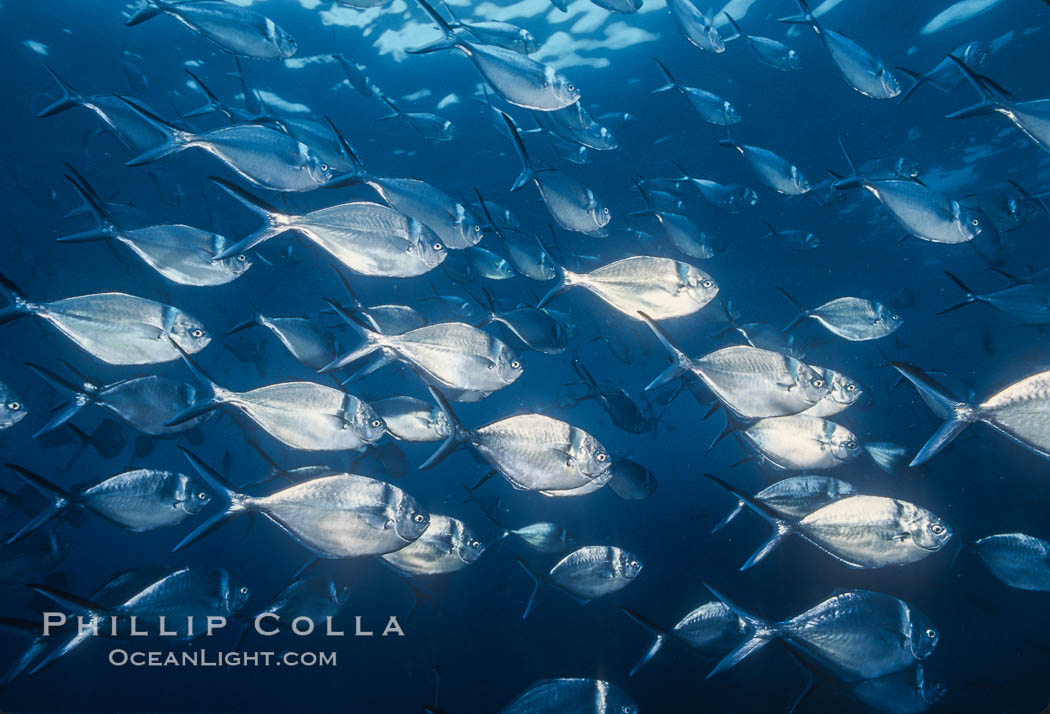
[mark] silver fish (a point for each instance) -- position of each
(544, 536)
(533, 452)
(957, 13)
(712, 630)
(857, 635)
(314, 597)
(183, 254)
(572, 205)
(180, 597)
(794, 238)
(851, 318)
(146, 403)
(301, 415)
(802, 443)
(124, 117)
(587, 573)
(310, 344)
(429, 126)
(685, 235)
(12, 410)
(447, 545)
(945, 76)
(1020, 411)
(336, 516)
(1026, 302)
(631, 481)
(904, 692)
(772, 169)
(267, 157)
(862, 532)
(920, 210)
(495, 32)
(520, 80)
(367, 238)
(232, 28)
(1021, 561)
(536, 329)
(711, 107)
(114, 327)
(796, 497)
(753, 383)
(572, 696)
(452, 354)
(411, 419)
(844, 392)
(770, 52)
(575, 124)
(660, 287)
(139, 500)
(732, 198)
(697, 27)
(861, 70)
(487, 264)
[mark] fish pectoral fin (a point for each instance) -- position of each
(901, 537)
(379, 521)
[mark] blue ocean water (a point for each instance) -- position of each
(993, 648)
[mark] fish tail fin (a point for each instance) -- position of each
(212, 102)
(244, 324)
(18, 307)
(660, 636)
(59, 501)
(891, 458)
(527, 172)
(83, 394)
(586, 376)
(987, 103)
(372, 339)
(107, 225)
(276, 221)
(770, 228)
(734, 25)
(761, 634)
(671, 83)
(234, 503)
(448, 39)
(537, 581)
(803, 313)
(681, 362)
(70, 97)
(737, 509)
(805, 16)
(455, 438)
(958, 415)
(917, 80)
(854, 180)
(393, 107)
(218, 395)
(971, 296)
(563, 282)
(781, 526)
(175, 139)
(146, 11)
(358, 80)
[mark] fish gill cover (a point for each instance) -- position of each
(576, 356)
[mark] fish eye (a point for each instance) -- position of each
(475, 544)
(851, 387)
(851, 444)
(931, 633)
(418, 518)
(634, 563)
(570, 87)
(601, 458)
(324, 167)
(477, 228)
(895, 317)
(515, 364)
(706, 283)
(241, 258)
(202, 495)
(605, 210)
(244, 590)
(818, 383)
(975, 222)
(14, 406)
(438, 246)
(198, 333)
(937, 529)
(376, 423)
